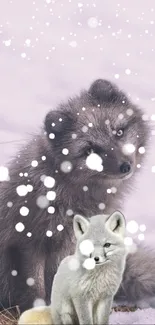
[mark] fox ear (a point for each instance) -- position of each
(104, 91)
(116, 223)
(80, 225)
(58, 122)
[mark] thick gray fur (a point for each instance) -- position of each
(38, 256)
(84, 296)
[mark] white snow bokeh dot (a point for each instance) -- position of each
(22, 190)
(49, 181)
(42, 202)
(4, 174)
(60, 227)
(89, 264)
(14, 272)
(101, 206)
(39, 302)
(94, 162)
(30, 282)
(66, 166)
(132, 226)
(86, 247)
(128, 148)
(65, 151)
(51, 195)
(34, 163)
(19, 227)
(49, 233)
(51, 209)
(141, 150)
(69, 212)
(52, 136)
(24, 211)
(142, 227)
(141, 236)
(92, 22)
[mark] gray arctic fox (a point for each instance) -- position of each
(100, 120)
(86, 282)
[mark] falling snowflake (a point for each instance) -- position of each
(19, 227)
(108, 190)
(73, 264)
(42, 202)
(24, 211)
(74, 136)
(116, 76)
(23, 55)
(92, 22)
(86, 247)
(128, 148)
(141, 237)
(9, 204)
(65, 151)
(8, 42)
(30, 282)
(84, 128)
(51, 135)
(49, 181)
(14, 272)
(51, 210)
(120, 116)
(89, 264)
(29, 234)
(73, 44)
(4, 174)
(43, 158)
(28, 42)
(60, 227)
(51, 195)
(39, 302)
(29, 188)
(69, 212)
(153, 117)
(94, 162)
(142, 227)
(101, 206)
(49, 233)
(66, 166)
(22, 190)
(132, 226)
(90, 124)
(141, 150)
(138, 165)
(85, 188)
(128, 71)
(34, 163)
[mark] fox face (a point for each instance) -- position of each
(100, 238)
(101, 121)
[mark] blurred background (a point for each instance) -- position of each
(51, 49)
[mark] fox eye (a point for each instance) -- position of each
(106, 245)
(119, 133)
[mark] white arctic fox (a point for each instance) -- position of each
(86, 282)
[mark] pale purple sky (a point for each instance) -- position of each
(66, 54)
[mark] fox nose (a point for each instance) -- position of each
(125, 167)
(96, 259)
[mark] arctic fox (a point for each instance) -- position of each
(86, 282)
(101, 120)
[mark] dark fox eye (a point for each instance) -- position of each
(119, 133)
(106, 245)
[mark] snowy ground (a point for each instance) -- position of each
(146, 316)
